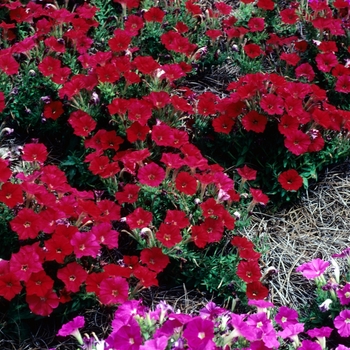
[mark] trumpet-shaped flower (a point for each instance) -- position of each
(313, 269)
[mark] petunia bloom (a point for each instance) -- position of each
(290, 180)
(342, 323)
(72, 328)
(313, 269)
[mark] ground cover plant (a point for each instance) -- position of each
(121, 174)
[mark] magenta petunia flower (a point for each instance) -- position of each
(211, 311)
(313, 269)
(262, 305)
(155, 344)
(286, 316)
(242, 329)
(291, 331)
(319, 332)
(344, 294)
(309, 345)
(199, 333)
(342, 323)
(72, 328)
(151, 175)
(127, 337)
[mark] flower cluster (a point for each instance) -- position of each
(136, 327)
(132, 128)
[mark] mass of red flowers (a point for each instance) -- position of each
(135, 118)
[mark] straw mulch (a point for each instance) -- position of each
(317, 227)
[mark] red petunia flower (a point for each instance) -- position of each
(154, 14)
(256, 290)
(137, 132)
(49, 66)
(73, 276)
(113, 291)
(326, 61)
(172, 72)
(288, 124)
(247, 173)
(133, 24)
(26, 224)
(305, 70)
(98, 165)
(147, 278)
(266, 4)
(343, 84)
(290, 180)
(139, 218)
(249, 254)
(253, 121)
(186, 183)
(288, 16)
(57, 248)
(211, 208)
(82, 123)
(223, 124)
(107, 73)
(259, 196)
(293, 106)
(53, 110)
(291, 58)
(193, 8)
(139, 111)
(159, 99)
(223, 8)
(57, 45)
(248, 271)
(121, 40)
(256, 24)
(214, 228)
(39, 284)
(176, 218)
(272, 104)
(85, 244)
(5, 172)
(10, 286)
(34, 152)
(200, 236)
(43, 305)
(242, 243)
(129, 194)
(8, 64)
(252, 50)
(151, 175)
(105, 235)
(168, 235)
(162, 135)
(146, 64)
(297, 142)
(11, 194)
(155, 259)
(213, 34)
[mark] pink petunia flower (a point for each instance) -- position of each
(313, 269)
(72, 328)
(286, 316)
(199, 333)
(344, 294)
(342, 323)
(309, 345)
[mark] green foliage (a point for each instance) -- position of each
(9, 240)
(213, 271)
